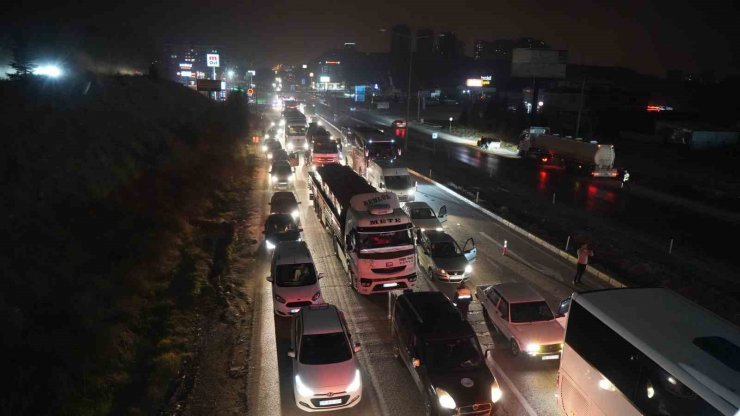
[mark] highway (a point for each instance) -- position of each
(529, 387)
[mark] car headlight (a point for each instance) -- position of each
(290, 146)
(273, 178)
(532, 347)
(441, 271)
(294, 214)
(438, 229)
(305, 146)
(355, 384)
(269, 155)
(291, 178)
(422, 229)
(412, 191)
(468, 269)
(303, 389)
(269, 245)
(496, 392)
(264, 148)
(267, 136)
(445, 400)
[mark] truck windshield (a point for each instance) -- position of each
(369, 241)
(291, 275)
(398, 182)
(381, 150)
(530, 312)
(453, 354)
(296, 130)
(324, 147)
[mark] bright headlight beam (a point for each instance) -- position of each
(303, 389)
(52, 71)
(355, 384)
(445, 400)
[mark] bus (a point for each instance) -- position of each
(369, 143)
(647, 351)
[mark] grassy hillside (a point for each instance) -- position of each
(102, 178)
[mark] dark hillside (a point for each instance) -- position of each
(101, 179)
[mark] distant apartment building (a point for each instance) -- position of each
(185, 63)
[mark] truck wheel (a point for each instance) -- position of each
(430, 274)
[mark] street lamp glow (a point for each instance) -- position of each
(230, 73)
(52, 71)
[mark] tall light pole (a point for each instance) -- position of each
(450, 124)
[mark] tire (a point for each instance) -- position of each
(430, 274)
(515, 348)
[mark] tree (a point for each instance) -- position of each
(21, 60)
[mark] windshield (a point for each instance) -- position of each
(280, 224)
(453, 354)
(325, 147)
(398, 182)
(446, 249)
(290, 275)
(530, 312)
(296, 130)
(422, 213)
(282, 170)
(325, 349)
(381, 149)
(368, 241)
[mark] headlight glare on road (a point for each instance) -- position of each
(496, 393)
(303, 389)
(445, 400)
(269, 245)
(468, 269)
(532, 347)
(355, 384)
(294, 214)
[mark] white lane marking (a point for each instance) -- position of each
(267, 377)
(510, 385)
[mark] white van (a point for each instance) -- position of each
(295, 283)
(386, 175)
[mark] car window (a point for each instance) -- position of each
(453, 354)
(282, 170)
(422, 213)
(280, 223)
(291, 275)
(503, 307)
(398, 182)
(445, 249)
(324, 349)
(530, 312)
(493, 296)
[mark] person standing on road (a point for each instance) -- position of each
(462, 299)
(583, 254)
(625, 180)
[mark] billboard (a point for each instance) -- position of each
(360, 93)
(209, 85)
(474, 82)
(212, 60)
(538, 63)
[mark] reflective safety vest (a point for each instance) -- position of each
(626, 177)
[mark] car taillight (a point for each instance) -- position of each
(279, 299)
(316, 296)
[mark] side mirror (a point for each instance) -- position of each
(442, 215)
(269, 279)
(357, 347)
(299, 202)
(321, 275)
(291, 353)
(382, 185)
(488, 352)
(416, 362)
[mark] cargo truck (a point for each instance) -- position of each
(372, 234)
(591, 158)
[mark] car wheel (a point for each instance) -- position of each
(430, 274)
(514, 348)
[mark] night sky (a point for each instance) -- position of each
(649, 36)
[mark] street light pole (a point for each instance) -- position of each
(450, 125)
(408, 93)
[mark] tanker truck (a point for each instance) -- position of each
(587, 157)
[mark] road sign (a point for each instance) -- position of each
(209, 85)
(435, 135)
(250, 92)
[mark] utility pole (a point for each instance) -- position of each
(408, 93)
(580, 109)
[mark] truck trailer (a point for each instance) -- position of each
(591, 158)
(372, 234)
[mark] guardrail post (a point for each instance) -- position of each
(553, 198)
(567, 243)
(430, 173)
(670, 246)
(476, 196)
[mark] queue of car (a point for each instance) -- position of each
(432, 340)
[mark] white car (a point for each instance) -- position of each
(295, 283)
(326, 372)
(524, 318)
(423, 216)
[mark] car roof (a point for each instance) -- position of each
(516, 292)
(434, 316)
(438, 236)
(417, 204)
(280, 216)
(280, 164)
(321, 319)
(292, 252)
(283, 196)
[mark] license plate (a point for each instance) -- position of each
(390, 284)
(551, 357)
(330, 402)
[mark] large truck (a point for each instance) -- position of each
(372, 234)
(294, 136)
(324, 149)
(591, 158)
(386, 175)
(695, 136)
(368, 143)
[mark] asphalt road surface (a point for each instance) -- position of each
(529, 386)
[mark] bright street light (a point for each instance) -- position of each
(52, 71)
(450, 124)
(230, 73)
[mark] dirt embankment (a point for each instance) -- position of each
(111, 189)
